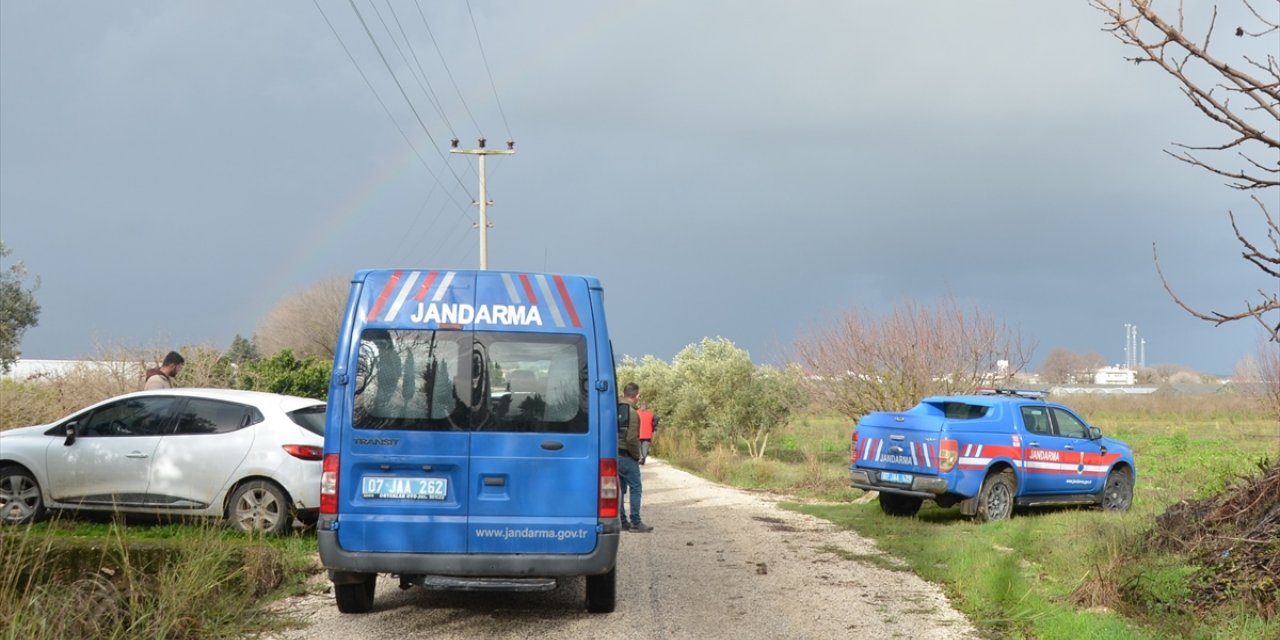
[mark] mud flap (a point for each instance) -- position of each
(969, 506)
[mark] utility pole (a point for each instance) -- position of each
(484, 194)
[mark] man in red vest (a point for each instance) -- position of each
(648, 425)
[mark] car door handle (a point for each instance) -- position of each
(553, 445)
(136, 454)
(1033, 443)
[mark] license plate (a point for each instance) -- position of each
(897, 478)
(394, 488)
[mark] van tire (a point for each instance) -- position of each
(356, 597)
(899, 505)
(602, 592)
(995, 499)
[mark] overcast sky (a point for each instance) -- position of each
(171, 170)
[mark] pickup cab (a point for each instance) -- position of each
(988, 453)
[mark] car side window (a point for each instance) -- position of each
(1069, 426)
(149, 416)
(1036, 420)
(202, 415)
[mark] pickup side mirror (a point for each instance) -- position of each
(1095, 433)
(624, 417)
(70, 429)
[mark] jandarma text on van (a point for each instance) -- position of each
(470, 314)
(508, 533)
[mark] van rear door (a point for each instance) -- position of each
(405, 468)
(535, 450)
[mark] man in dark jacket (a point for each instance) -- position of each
(629, 464)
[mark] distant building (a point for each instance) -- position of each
(1116, 375)
(28, 370)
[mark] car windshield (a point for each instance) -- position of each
(310, 418)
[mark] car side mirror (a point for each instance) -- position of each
(71, 434)
(624, 417)
(1095, 433)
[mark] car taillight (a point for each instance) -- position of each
(853, 448)
(608, 488)
(304, 451)
(948, 455)
(329, 485)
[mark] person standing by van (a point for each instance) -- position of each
(162, 376)
(648, 423)
(629, 464)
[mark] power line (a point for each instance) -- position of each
(404, 94)
(487, 71)
(421, 77)
(444, 64)
(461, 207)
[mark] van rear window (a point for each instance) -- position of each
(434, 380)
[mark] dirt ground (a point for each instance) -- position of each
(721, 563)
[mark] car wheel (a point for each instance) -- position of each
(1117, 493)
(602, 592)
(899, 505)
(260, 506)
(356, 597)
(995, 499)
(20, 499)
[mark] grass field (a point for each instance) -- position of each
(89, 578)
(1055, 573)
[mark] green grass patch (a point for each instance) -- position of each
(70, 578)
(1047, 573)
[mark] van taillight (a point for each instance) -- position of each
(608, 488)
(329, 485)
(948, 455)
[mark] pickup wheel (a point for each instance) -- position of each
(899, 505)
(1117, 494)
(995, 500)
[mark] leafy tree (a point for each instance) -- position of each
(712, 389)
(284, 373)
(241, 351)
(1236, 85)
(18, 309)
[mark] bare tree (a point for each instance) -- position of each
(1247, 157)
(859, 364)
(306, 322)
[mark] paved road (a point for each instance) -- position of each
(721, 563)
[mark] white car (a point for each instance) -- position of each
(252, 457)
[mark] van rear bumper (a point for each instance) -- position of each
(340, 561)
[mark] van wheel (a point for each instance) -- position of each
(602, 592)
(899, 505)
(1117, 494)
(20, 499)
(995, 500)
(260, 507)
(356, 597)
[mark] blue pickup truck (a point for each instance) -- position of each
(989, 452)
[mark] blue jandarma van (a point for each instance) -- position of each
(472, 436)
